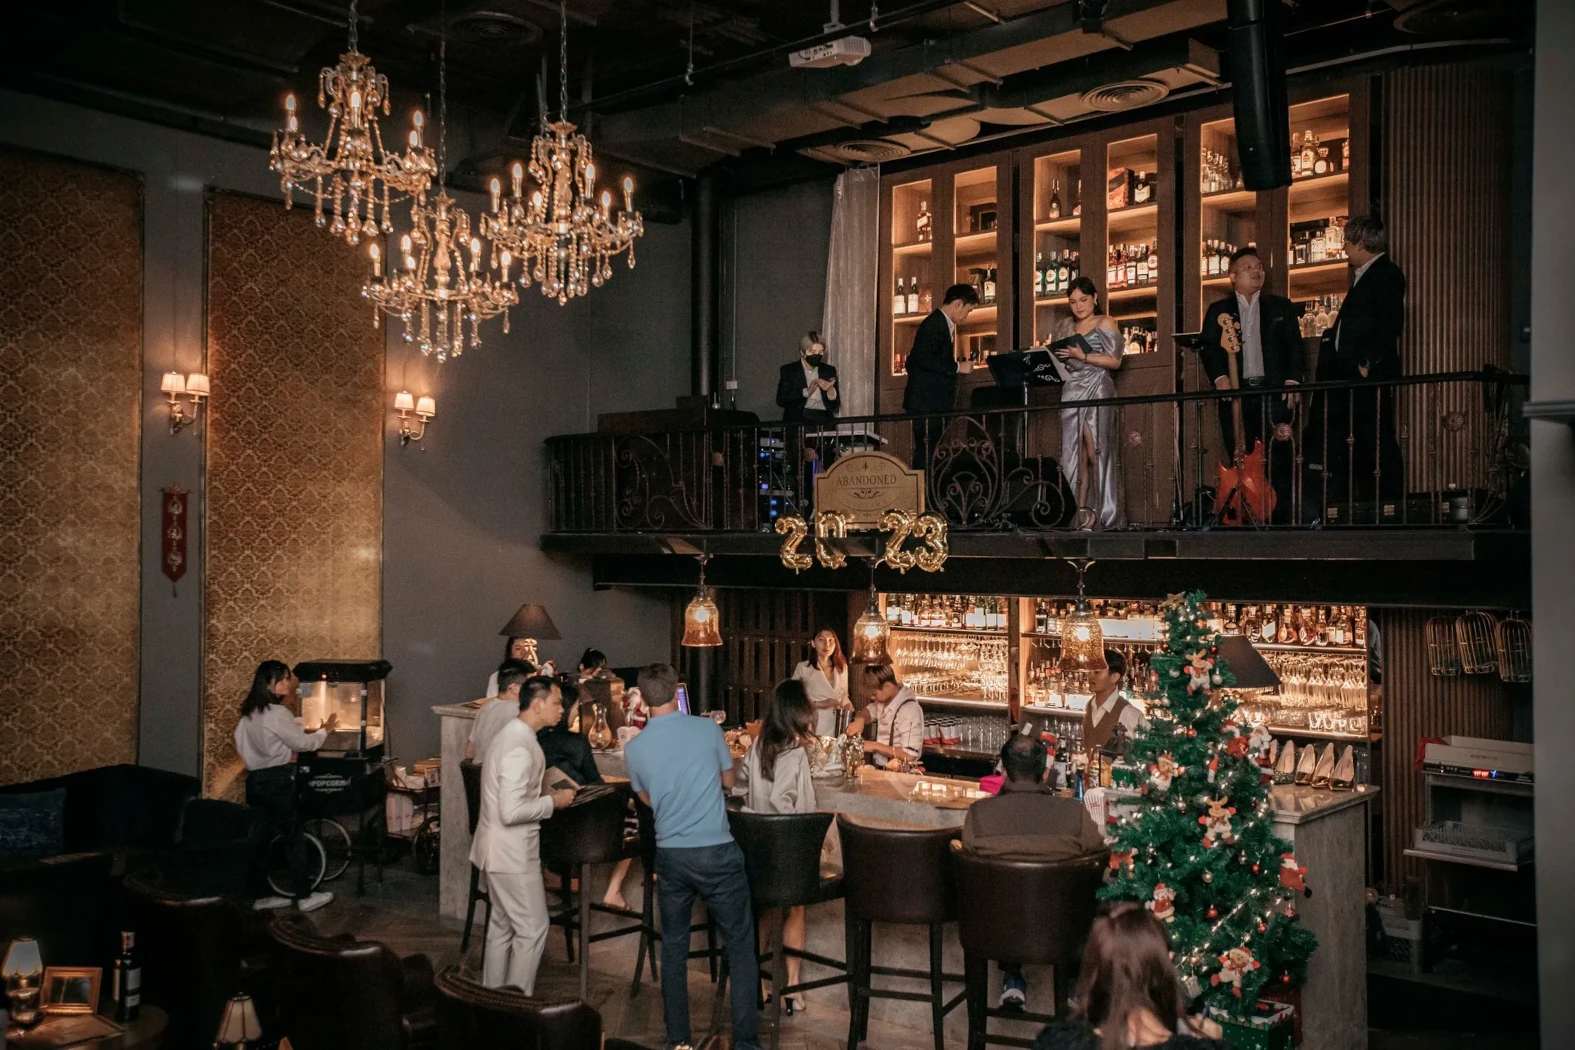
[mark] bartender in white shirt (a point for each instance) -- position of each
(899, 727)
(267, 738)
(1107, 708)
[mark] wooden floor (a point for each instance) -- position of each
(403, 913)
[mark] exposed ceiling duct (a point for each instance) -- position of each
(1125, 94)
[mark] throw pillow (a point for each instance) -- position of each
(33, 824)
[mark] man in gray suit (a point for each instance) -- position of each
(507, 846)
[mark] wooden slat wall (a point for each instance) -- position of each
(1447, 184)
(1418, 704)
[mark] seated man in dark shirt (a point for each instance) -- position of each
(1027, 821)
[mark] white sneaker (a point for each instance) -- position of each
(270, 903)
(314, 901)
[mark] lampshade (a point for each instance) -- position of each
(531, 621)
(702, 622)
(870, 635)
(173, 383)
(22, 959)
(426, 407)
(239, 1023)
(1251, 670)
(404, 401)
(197, 385)
(1082, 641)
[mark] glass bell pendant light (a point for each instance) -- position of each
(1082, 639)
(702, 621)
(870, 632)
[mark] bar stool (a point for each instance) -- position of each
(782, 861)
(650, 935)
(898, 876)
(575, 837)
(1021, 912)
(470, 774)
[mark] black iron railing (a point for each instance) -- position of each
(1420, 450)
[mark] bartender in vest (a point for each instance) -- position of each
(1107, 708)
(899, 727)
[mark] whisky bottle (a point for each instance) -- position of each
(1055, 199)
(913, 296)
(1343, 630)
(126, 980)
(1065, 273)
(1271, 624)
(899, 301)
(1231, 626)
(1307, 629)
(1142, 189)
(1251, 623)
(1309, 153)
(922, 223)
(1359, 628)
(1322, 637)
(1041, 617)
(1039, 275)
(989, 284)
(1132, 266)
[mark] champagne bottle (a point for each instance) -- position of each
(1055, 199)
(899, 301)
(913, 296)
(126, 980)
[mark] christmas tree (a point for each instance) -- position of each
(1191, 831)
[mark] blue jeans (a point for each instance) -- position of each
(716, 874)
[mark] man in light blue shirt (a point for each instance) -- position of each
(681, 768)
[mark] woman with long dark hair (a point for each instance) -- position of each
(825, 678)
(516, 649)
(1128, 994)
(267, 737)
(1088, 435)
(774, 777)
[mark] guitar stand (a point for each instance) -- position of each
(1249, 519)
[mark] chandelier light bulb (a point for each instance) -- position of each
(606, 201)
(628, 193)
(590, 174)
(377, 259)
(495, 190)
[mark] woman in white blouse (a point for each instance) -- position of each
(267, 738)
(825, 678)
(774, 778)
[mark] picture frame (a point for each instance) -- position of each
(70, 990)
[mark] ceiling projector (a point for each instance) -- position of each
(848, 51)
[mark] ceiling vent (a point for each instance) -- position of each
(494, 29)
(1125, 94)
(863, 151)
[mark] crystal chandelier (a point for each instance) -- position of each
(360, 174)
(563, 237)
(431, 285)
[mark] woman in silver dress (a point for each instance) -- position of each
(1088, 435)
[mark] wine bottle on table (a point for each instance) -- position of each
(126, 980)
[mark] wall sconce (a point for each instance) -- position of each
(424, 407)
(194, 386)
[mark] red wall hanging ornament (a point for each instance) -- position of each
(172, 535)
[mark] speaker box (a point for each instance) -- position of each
(1257, 73)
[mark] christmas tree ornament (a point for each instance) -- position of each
(1163, 905)
(1216, 823)
(1293, 877)
(1163, 771)
(1234, 965)
(1208, 876)
(1213, 912)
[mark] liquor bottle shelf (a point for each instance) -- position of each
(1313, 185)
(1324, 734)
(995, 632)
(974, 242)
(1231, 200)
(980, 313)
(1308, 269)
(957, 701)
(1069, 224)
(913, 248)
(1132, 216)
(1132, 293)
(1309, 648)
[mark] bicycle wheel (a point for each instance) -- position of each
(279, 871)
(335, 841)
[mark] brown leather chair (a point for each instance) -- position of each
(471, 1016)
(197, 952)
(574, 838)
(343, 994)
(470, 774)
(896, 875)
(782, 861)
(1021, 911)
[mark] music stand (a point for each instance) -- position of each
(1022, 369)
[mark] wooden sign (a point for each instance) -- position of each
(863, 486)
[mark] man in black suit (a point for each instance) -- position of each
(932, 370)
(1270, 359)
(807, 395)
(1351, 436)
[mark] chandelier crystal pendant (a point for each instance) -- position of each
(350, 168)
(563, 237)
(443, 282)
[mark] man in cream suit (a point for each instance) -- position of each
(507, 846)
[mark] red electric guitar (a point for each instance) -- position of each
(1244, 495)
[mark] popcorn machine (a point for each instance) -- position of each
(353, 690)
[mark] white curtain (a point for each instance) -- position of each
(849, 325)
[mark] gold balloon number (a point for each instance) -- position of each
(795, 529)
(900, 524)
(931, 528)
(830, 525)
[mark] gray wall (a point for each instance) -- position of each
(1553, 513)
(461, 518)
(774, 247)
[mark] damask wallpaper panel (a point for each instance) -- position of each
(295, 459)
(70, 428)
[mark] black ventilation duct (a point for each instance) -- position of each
(1257, 74)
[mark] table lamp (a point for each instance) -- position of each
(1248, 666)
(239, 1024)
(529, 624)
(23, 971)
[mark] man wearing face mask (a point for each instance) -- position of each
(807, 388)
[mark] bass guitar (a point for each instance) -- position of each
(1244, 495)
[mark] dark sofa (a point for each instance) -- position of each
(130, 812)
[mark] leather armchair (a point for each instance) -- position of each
(471, 1016)
(343, 994)
(198, 952)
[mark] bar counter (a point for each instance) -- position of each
(1328, 829)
